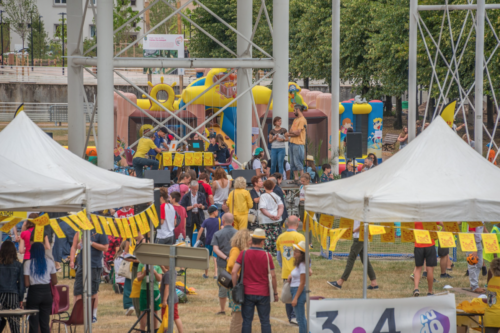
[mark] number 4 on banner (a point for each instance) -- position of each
(387, 317)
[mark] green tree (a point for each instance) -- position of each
(123, 12)
(40, 39)
(18, 16)
(159, 12)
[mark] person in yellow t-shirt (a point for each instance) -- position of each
(239, 203)
(492, 312)
(284, 255)
(297, 136)
(140, 161)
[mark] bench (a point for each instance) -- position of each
(389, 141)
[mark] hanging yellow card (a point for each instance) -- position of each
(178, 159)
(97, 226)
(346, 224)
(189, 159)
(11, 224)
(308, 215)
(446, 239)
(198, 159)
(335, 235)
(152, 217)
(167, 159)
(57, 229)
(376, 229)
(126, 227)
(432, 227)
(490, 243)
(3, 217)
(208, 159)
(78, 222)
(145, 222)
(451, 226)
(138, 220)
(133, 226)
(105, 226)
(42, 220)
(71, 224)
(407, 235)
(154, 211)
(475, 224)
(422, 237)
(39, 233)
(362, 233)
(85, 220)
(390, 233)
(120, 227)
(111, 225)
(467, 242)
(324, 235)
(326, 220)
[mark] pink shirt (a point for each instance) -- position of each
(26, 236)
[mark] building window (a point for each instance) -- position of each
(132, 2)
(92, 30)
(60, 2)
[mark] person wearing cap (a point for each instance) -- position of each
(256, 163)
(140, 161)
(211, 225)
(257, 264)
(297, 281)
(491, 154)
(297, 135)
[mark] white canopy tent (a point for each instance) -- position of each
(24, 143)
(437, 177)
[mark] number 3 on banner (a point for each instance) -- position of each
(330, 317)
(387, 316)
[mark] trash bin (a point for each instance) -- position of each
(405, 105)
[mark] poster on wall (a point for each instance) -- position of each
(403, 315)
(163, 46)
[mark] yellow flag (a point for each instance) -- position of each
(111, 225)
(97, 226)
(376, 230)
(326, 220)
(362, 233)
(38, 233)
(20, 108)
(467, 242)
(390, 233)
(346, 224)
(153, 208)
(11, 224)
(198, 158)
(42, 220)
(178, 159)
(490, 243)
(120, 227)
(432, 227)
(189, 159)
(407, 235)
(57, 229)
(164, 321)
(208, 159)
(152, 217)
(475, 224)
(131, 247)
(138, 220)
(85, 220)
(126, 227)
(105, 225)
(167, 159)
(422, 237)
(78, 222)
(145, 222)
(133, 226)
(3, 217)
(71, 224)
(451, 226)
(324, 235)
(448, 113)
(335, 235)
(446, 239)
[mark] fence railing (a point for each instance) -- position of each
(43, 112)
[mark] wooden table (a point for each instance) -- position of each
(21, 314)
(472, 316)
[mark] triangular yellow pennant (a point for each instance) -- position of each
(446, 239)
(57, 229)
(97, 226)
(335, 235)
(467, 242)
(71, 224)
(111, 225)
(133, 226)
(105, 225)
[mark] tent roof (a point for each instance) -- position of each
(22, 189)
(437, 177)
(24, 143)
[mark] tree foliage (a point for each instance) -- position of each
(39, 41)
(18, 16)
(122, 12)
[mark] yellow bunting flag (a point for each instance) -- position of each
(120, 227)
(133, 226)
(105, 225)
(126, 227)
(38, 233)
(154, 211)
(467, 242)
(390, 233)
(198, 159)
(152, 217)
(42, 220)
(208, 159)
(78, 222)
(432, 227)
(308, 215)
(451, 226)
(335, 235)
(362, 233)
(346, 224)
(145, 222)
(71, 224)
(376, 230)
(57, 229)
(407, 235)
(326, 220)
(85, 220)
(475, 224)
(446, 239)
(11, 224)
(178, 159)
(324, 235)
(422, 237)
(189, 159)
(490, 243)
(3, 217)
(138, 220)
(312, 227)
(111, 224)
(318, 231)
(131, 247)
(167, 159)
(97, 226)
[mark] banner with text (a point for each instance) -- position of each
(436, 314)
(163, 46)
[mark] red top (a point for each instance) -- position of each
(184, 189)
(419, 225)
(26, 236)
(123, 214)
(208, 190)
(255, 274)
(181, 228)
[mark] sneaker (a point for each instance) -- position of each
(412, 277)
(334, 284)
(430, 294)
(130, 311)
(416, 293)
(293, 321)
(467, 273)
(424, 274)
(484, 271)
(205, 276)
(94, 320)
(445, 276)
(372, 288)
(435, 281)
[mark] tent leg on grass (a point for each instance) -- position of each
(365, 258)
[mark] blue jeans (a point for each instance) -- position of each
(139, 163)
(277, 158)
(296, 153)
(263, 304)
(300, 311)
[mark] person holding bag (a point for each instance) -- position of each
(271, 210)
(257, 282)
(297, 281)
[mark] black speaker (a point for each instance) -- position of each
(247, 174)
(159, 177)
(354, 145)
(157, 201)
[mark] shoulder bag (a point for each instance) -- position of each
(224, 278)
(238, 292)
(286, 294)
(270, 279)
(124, 270)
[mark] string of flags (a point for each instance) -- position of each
(323, 229)
(128, 227)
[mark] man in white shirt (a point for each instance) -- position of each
(356, 249)
(165, 233)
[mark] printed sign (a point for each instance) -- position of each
(346, 224)
(326, 220)
(422, 237)
(467, 242)
(451, 226)
(407, 235)
(390, 233)
(446, 239)
(490, 243)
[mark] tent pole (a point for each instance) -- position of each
(365, 258)
(85, 273)
(308, 316)
(152, 313)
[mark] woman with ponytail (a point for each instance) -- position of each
(39, 273)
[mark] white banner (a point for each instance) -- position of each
(432, 314)
(152, 44)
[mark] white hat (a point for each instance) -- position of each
(301, 246)
(259, 234)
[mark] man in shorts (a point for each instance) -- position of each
(296, 148)
(424, 253)
(98, 245)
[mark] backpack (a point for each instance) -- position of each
(249, 165)
(201, 189)
(174, 188)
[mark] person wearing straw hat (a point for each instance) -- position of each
(297, 279)
(311, 169)
(256, 282)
